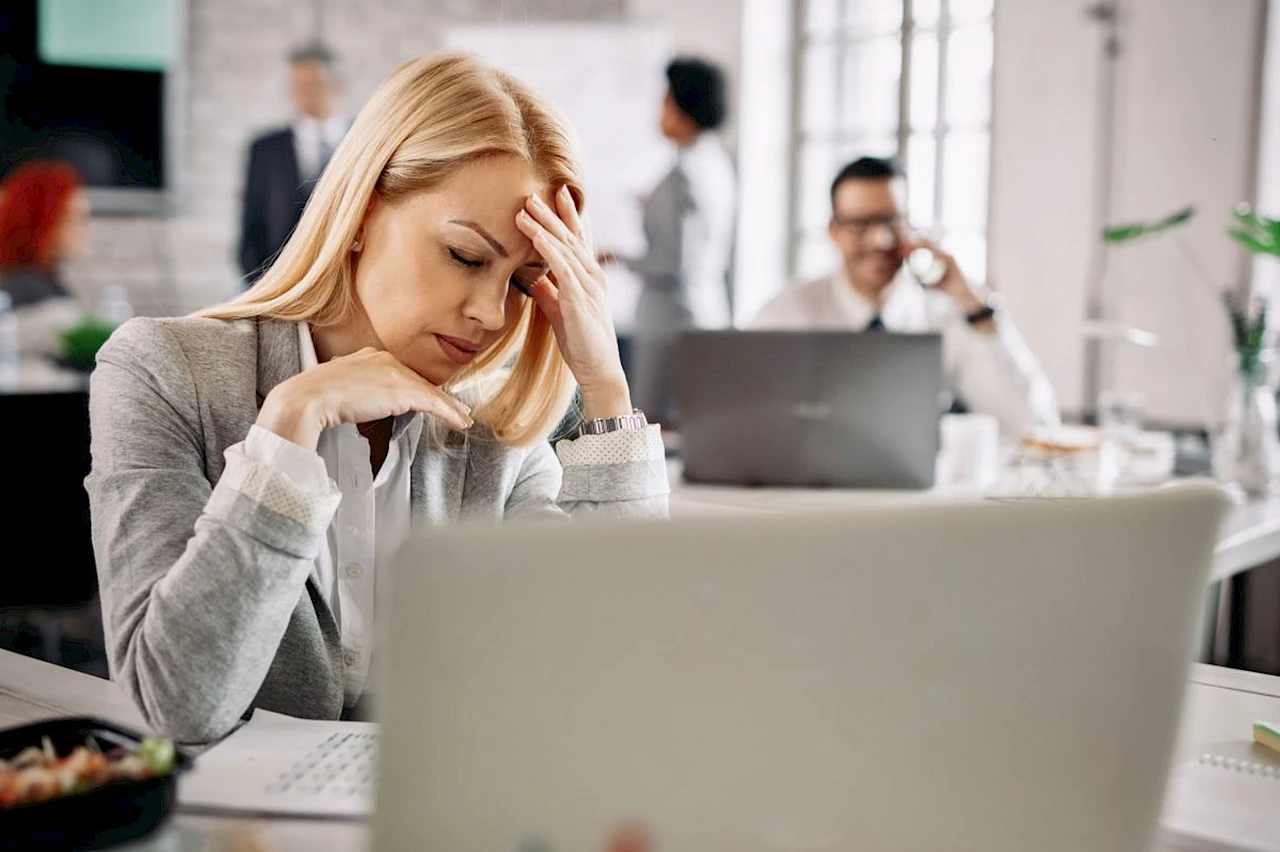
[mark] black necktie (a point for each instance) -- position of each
(876, 324)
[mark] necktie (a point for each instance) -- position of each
(326, 151)
(876, 324)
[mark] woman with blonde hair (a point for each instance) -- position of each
(403, 361)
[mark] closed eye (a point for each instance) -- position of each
(469, 262)
(475, 263)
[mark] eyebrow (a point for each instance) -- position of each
(493, 243)
(485, 235)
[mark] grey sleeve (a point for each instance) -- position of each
(197, 582)
(545, 489)
(668, 229)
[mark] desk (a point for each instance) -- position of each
(1250, 535)
(1221, 706)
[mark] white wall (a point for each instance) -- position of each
(1266, 273)
(1183, 135)
(711, 29)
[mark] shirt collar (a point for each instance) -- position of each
(898, 313)
(410, 421)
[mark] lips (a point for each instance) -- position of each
(457, 349)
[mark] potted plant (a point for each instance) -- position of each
(1246, 445)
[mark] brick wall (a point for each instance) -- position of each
(235, 88)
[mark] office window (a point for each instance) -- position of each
(903, 78)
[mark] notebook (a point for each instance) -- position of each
(280, 765)
(1225, 801)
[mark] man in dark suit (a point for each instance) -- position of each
(284, 163)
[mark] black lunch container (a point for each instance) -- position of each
(95, 818)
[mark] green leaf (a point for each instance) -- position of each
(1252, 243)
(1125, 233)
(158, 755)
(81, 342)
(1258, 234)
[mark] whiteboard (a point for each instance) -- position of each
(609, 81)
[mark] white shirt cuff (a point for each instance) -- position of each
(619, 447)
(304, 467)
(282, 477)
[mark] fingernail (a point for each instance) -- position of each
(466, 409)
(539, 202)
(564, 193)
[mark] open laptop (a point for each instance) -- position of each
(994, 677)
(809, 408)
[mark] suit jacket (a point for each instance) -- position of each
(209, 604)
(274, 194)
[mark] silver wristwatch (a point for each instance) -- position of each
(601, 425)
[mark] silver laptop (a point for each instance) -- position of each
(994, 677)
(809, 408)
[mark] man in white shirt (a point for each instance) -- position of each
(283, 164)
(988, 365)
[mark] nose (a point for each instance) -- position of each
(487, 305)
(882, 237)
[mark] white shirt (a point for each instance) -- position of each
(308, 134)
(993, 373)
(372, 521)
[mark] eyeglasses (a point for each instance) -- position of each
(860, 226)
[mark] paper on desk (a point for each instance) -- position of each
(280, 765)
(1227, 801)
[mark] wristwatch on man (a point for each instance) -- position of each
(990, 307)
(601, 425)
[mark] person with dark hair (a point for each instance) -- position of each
(688, 223)
(44, 218)
(989, 366)
(283, 164)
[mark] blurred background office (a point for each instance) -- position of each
(1026, 127)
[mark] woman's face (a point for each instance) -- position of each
(441, 274)
(73, 228)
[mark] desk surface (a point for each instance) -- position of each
(1250, 534)
(1221, 706)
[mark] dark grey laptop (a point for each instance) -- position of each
(810, 408)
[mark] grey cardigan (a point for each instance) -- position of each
(208, 602)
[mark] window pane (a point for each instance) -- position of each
(822, 17)
(970, 251)
(818, 167)
(965, 160)
(969, 54)
(924, 82)
(818, 96)
(925, 12)
(883, 145)
(921, 179)
(816, 256)
(873, 16)
(968, 11)
(870, 98)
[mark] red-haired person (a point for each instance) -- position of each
(44, 218)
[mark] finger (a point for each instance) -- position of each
(584, 275)
(569, 212)
(551, 250)
(547, 298)
(549, 220)
(435, 402)
(432, 400)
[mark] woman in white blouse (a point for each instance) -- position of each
(404, 360)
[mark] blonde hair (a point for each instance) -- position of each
(428, 118)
